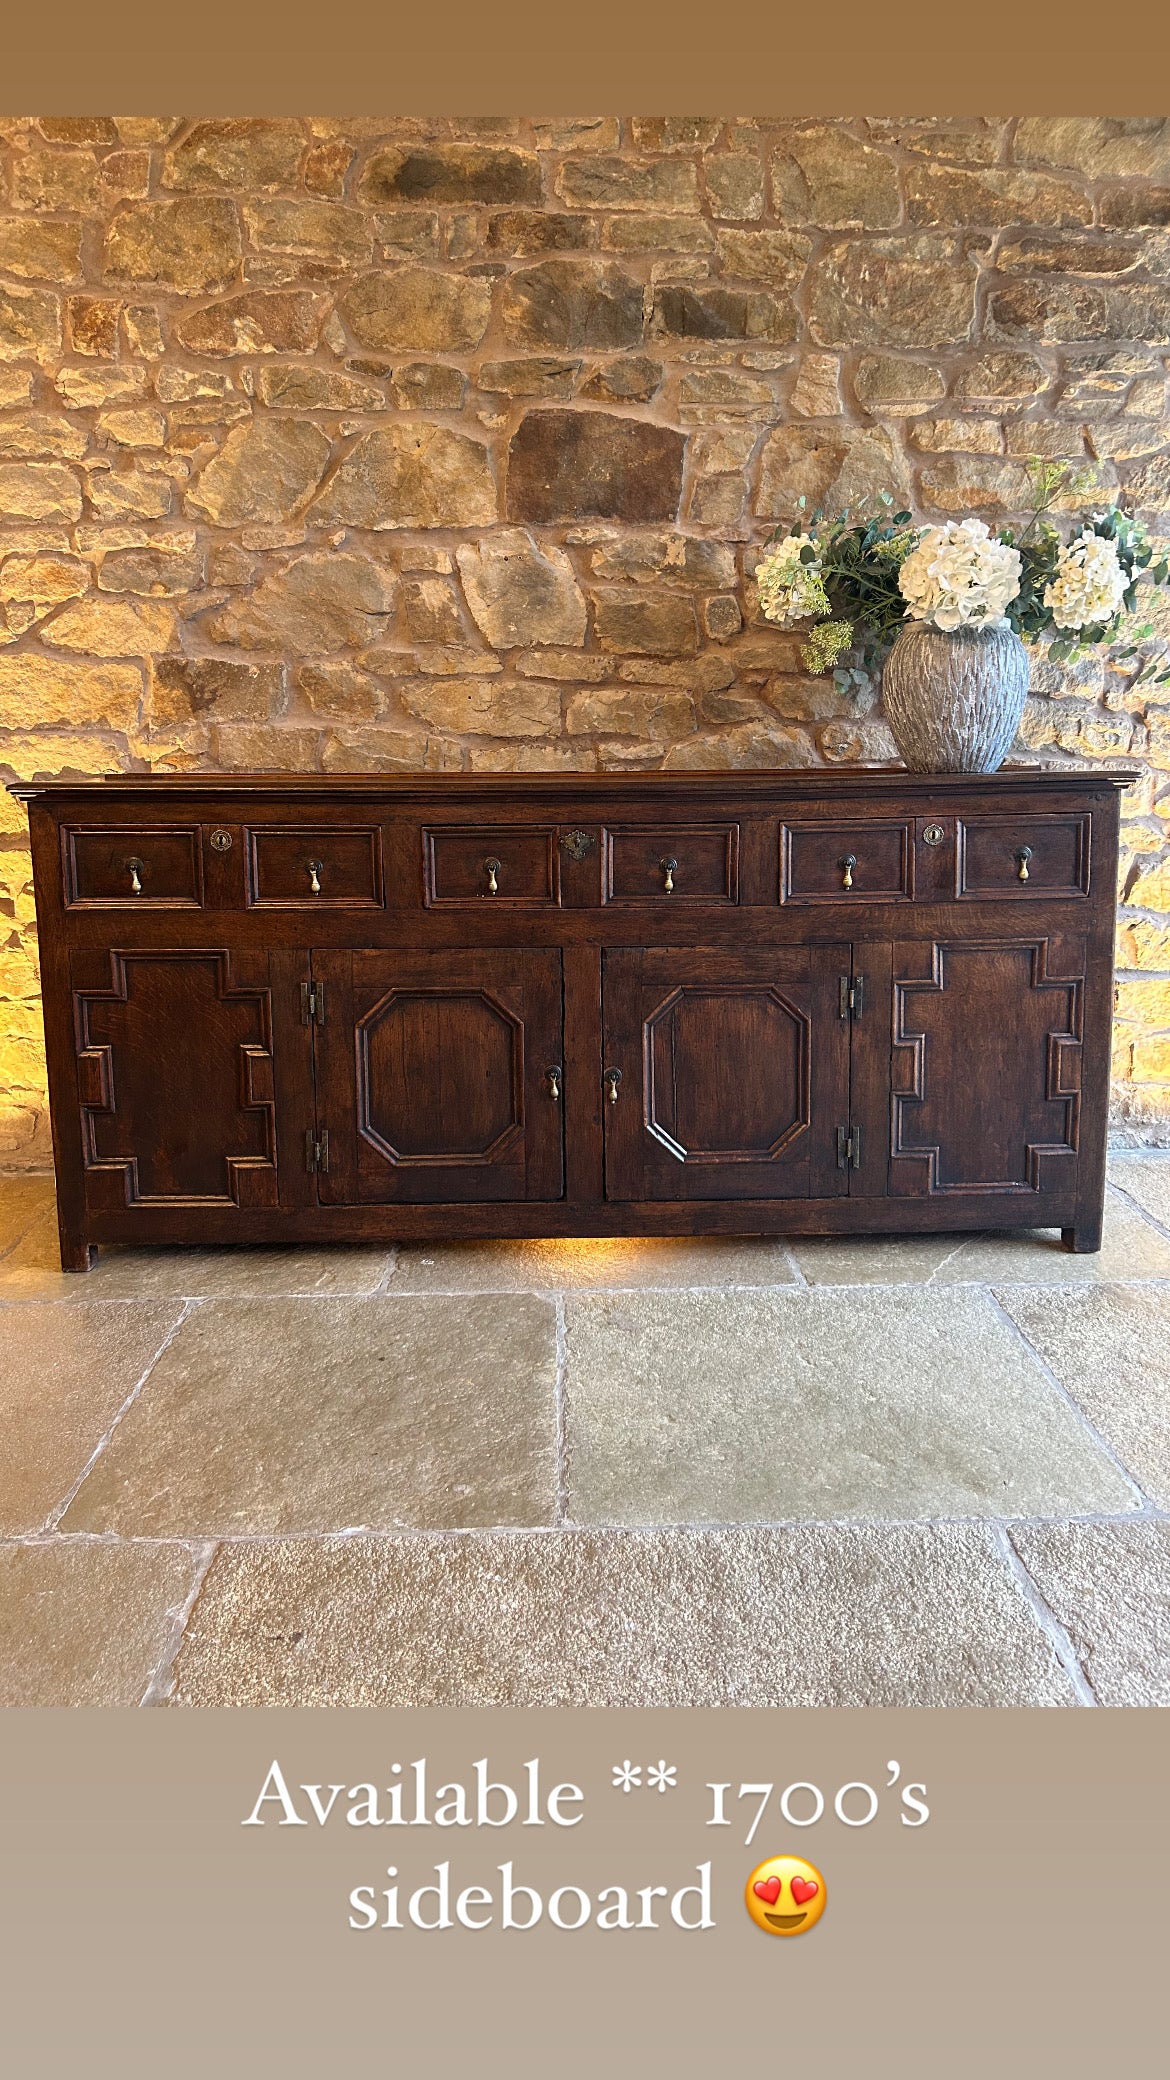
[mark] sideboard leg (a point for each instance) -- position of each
(1085, 1238)
(77, 1255)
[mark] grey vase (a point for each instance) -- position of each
(954, 702)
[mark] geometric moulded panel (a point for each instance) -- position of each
(440, 1076)
(726, 1070)
(175, 1080)
(986, 1066)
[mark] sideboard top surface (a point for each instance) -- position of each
(783, 782)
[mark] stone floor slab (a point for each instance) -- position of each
(85, 1623)
(322, 1415)
(1144, 1174)
(64, 1374)
(32, 1271)
(24, 1197)
(1131, 1249)
(900, 1616)
(1109, 1585)
(770, 1407)
(598, 1264)
(1110, 1347)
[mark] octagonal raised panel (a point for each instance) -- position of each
(440, 1076)
(727, 1073)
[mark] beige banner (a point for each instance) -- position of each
(1021, 1924)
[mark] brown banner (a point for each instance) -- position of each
(991, 1892)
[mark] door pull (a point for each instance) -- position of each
(554, 1084)
(611, 1079)
(493, 870)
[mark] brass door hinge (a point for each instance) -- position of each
(312, 1003)
(317, 1150)
(851, 998)
(849, 1148)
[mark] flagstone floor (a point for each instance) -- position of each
(922, 1472)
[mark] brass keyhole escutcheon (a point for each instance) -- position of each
(554, 1083)
(136, 870)
(669, 870)
(933, 834)
(1024, 855)
(611, 1080)
(847, 865)
(316, 869)
(493, 870)
(221, 841)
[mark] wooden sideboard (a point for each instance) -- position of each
(283, 1009)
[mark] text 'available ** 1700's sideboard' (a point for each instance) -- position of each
(817, 1002)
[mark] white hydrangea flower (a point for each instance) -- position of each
(960, 576)
(1089, 586)
(790, 589)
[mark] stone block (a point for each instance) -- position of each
(30, 323)
(186, 689)
(915, 290)
(322, 230)
(411, 475)
(266, 470)
(236, 152)
(521, 233)
(189, 244)
(683, 312)
(428, 386)
(39, 491)
(565, 465)
(418, 307)
(606, 181)
(258, 322)
(567, 304)
(483, 707)
(452, 173)
(520, 595)
(317, 604)
(656, 624)
(633, 380)
(35, 250)
(826, 177)
(38, 692)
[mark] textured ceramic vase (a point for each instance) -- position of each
(954, 702)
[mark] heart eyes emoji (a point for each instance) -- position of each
(764, 1895)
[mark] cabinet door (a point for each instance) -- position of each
(434, 1080)
(175, 1078)
(986, 1065)
(734, 1074)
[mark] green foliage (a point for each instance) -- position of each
(860, 560)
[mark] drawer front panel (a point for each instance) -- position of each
(470, 864)
(315, 868)
(846, 863)
(1023, 856)
(658, 863)
(128, 865)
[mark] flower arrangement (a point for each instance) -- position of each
(859, 582)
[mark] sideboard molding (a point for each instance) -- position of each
(841, 1001)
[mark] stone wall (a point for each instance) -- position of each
(384, 444)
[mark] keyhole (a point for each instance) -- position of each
(492, 870)
(848, 863)
(1024, 855)
(612, 1079)
(135, 869)
(669, 868)
(316, 870)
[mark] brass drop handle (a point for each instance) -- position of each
(1024, 855)
(316, 869)
(136, 870)
(612, 1079)
(554, 1083)
(493, 871)
(669, 869)
(847, 864)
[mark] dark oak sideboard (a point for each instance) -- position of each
(654, 1004)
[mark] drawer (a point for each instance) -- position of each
(679, 863)
(846, 863)
(127, 864)
(1022, 856)
(468, 864)
(315, 867)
